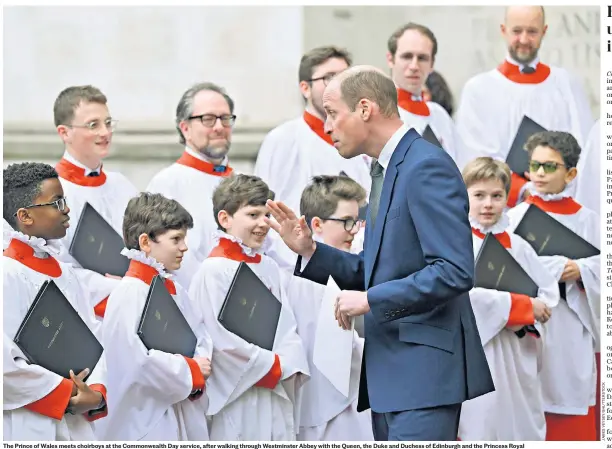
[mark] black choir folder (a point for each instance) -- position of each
(54, 336)
(250, 310)
(548, 237)
(518, 158)
(162, 324)
(97, 246)
(429, 136)
(498, 270)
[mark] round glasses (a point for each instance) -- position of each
(349, 223)
(95, 126)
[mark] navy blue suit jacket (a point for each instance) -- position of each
(422, 347)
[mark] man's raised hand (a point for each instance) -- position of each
(293, 230)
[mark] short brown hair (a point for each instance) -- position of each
(152, 214)
(486, 168)
(317, 56)
(372, 85)
(70, 98)
(563, 143)
(320, 198)
(238, 191)
(392, 42)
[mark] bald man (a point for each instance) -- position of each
(494, 103)
(411, 282)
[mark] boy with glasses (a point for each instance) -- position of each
(84, 124)
(40, 405)
(331, 206)
(204, 121)
(572, 336)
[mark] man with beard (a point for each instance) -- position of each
(204, 121)
(494, 103)
(299, 149)
(411, 54)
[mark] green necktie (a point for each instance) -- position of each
(376, 172)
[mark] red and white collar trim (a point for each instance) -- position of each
(140, 256)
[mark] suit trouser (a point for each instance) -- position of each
(426, 424)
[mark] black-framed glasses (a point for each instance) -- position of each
(209, 120)
(349, 223)
(325, 78)
(549, 167)
(96, 125)
(60, 204)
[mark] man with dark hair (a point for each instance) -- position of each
(423, 355)
(294, 152)
(494, 103)
(204, 120)
(39, 404)
(85, 126)
(411, 53)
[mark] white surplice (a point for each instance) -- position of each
(515, 410)
(25, 383)
(109, 200)
(325, 413)
(7, 230)
(589, 171)
(572, 335)
(148, 390)
(440, 123)
(290, 155)
(492, 107)
(241, 411)
(194, 190)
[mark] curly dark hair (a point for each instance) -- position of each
(22, 184)
(563, 143)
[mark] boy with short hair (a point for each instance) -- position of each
(569, 368)
(514, 411)
(86, 128)
(252, 390)
(40, 405)
(331, 207)
(155, 395)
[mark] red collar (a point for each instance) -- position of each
(203, 166)
(502, 237)
(317, 125)
(76, 175)
(146, 273)
(564, 206)
(232, 250)
(513, 73)
(405, 101)
(24, 254)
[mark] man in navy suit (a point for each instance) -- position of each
(423, 356)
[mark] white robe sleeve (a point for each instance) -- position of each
(278, 162)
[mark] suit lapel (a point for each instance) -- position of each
(375, 235)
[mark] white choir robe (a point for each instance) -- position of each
(110, 200)
(325, 413)
(289, 156)
(437, 118)
(193, 188)
(492, 107)
(25, 383)
(239, 410)
(572, 334)
(149, 390)
(515, 410)
(589, 171)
